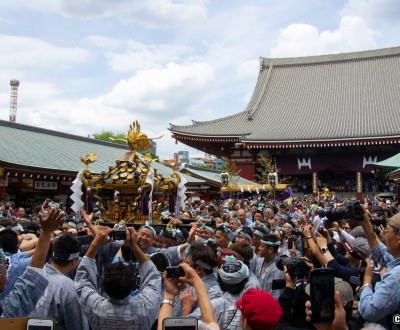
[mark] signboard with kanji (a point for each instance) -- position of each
(45, 185)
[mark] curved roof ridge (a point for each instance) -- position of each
(328, 58)
(199, 123)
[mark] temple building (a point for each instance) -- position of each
(37, 163)
(323, 120)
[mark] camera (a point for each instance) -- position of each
(352, 210)
(297, 232)
(119, 235)
(378, 220)
(175, 272)
(297, 268)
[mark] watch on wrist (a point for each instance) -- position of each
(309, 236)
(366, 285)
(324, 250)
(168, 302)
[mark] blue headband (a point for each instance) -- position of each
(147, 225)
(288, 224)
(269, 243)
(260, 224)
(203, 264)
(233, 277)
(207, 227)
(68, 257)
(241, 232)
(258, 233)
(18, 227)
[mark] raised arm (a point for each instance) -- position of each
(47, 226)
(137, 251)
(88, 220)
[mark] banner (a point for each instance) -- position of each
(311, 162)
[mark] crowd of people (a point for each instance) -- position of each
(233, 264)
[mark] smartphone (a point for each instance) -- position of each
(180, 323)
(290, 243)
(119, 235)
(322, 291)
(82, 233)
(278, 284)
(40, 324)
(175, 272)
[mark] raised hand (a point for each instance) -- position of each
(102, 236)
(52, 222)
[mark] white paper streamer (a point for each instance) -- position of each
(77, 194)
(150, 180)
(180, 196)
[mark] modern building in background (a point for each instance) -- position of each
(153, 149)
(183, 156)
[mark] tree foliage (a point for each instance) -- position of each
(106, 135)
(265, 166)
(233, 172)
(203, 166)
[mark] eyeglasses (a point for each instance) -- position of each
(394, 229)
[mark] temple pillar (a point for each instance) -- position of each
(359, 185)
(314, 183)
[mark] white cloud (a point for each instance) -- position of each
(374, 11)
(130, 55)
(31, 53)
(248, 70)
(158, 90)
(150, 13)
(353, 34)
(154, 97)
(104, 42)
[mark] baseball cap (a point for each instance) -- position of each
(260, 309)
(394, 221)
(357, 232)
(358, 249)
(362, 247)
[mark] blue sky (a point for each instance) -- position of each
(92, 65)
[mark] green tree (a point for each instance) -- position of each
(202, 166)
(265, 167)
(233, 172)
(222, 169)
(106, 135)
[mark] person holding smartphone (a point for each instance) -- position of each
(384, 300)
(202, 259)
(172, 288)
